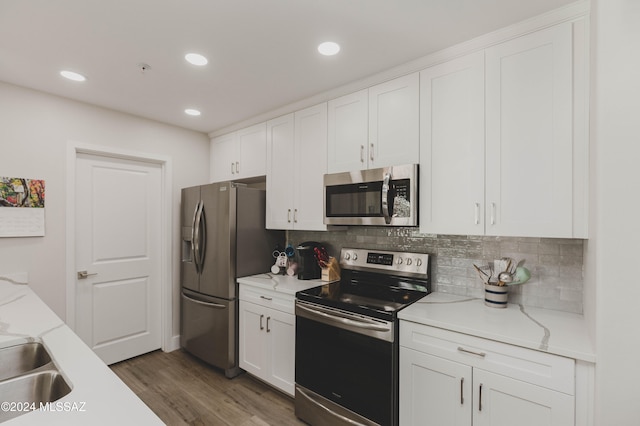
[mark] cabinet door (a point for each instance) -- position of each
(502, 401)
(223, 157)
(281, 331)
(452, 147)
(434, 390)
(253, 339)
(394, 122)
(529, 135)
(310, 165)
(252, 151)
(280, 172)
(348, 132)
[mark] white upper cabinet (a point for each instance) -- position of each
(529, 144)
(452, 147)
(348, 132)
(240, 154)
(280, 179)
(296, 164)
(394, 136)
(252, 151)
(498, 154)
(310, 165)
(375, 127)
(223, 157)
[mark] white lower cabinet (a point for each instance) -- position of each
(267, 336)
(448, 378)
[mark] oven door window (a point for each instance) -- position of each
(351, 369)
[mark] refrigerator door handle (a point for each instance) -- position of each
(200, 302)
(196, 238)
(202, 240)
(193, 237)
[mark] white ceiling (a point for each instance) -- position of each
(262, 53)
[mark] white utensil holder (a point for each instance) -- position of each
(496, 296)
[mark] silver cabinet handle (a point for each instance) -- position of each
(480, 398)
(295, 215)
(261, 326)
(237, 167)
(477, 214)
(268, 330)
(371, 152)
(265, 297)
(480, 354)
(493, 213)
(84, 274)
(289, 215)
(362, 153)
(461, 391)
(232, 172)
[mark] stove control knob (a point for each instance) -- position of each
(347, 256)
(419, 262)
(355, 256)
(399, 261)
(409, 261)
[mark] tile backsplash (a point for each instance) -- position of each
(556, 264)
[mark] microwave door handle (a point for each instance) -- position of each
(385, 198)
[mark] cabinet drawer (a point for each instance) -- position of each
(539, 368)
(268, 298)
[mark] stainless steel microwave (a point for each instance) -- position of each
(386, 196)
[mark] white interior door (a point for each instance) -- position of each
(118, 219)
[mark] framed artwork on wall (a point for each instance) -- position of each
(21, 207)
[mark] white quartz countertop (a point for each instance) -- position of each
(98, 396)
(545, 330)
(280, 283)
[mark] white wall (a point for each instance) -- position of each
(615, 243)
(34, 131)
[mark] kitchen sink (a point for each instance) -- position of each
(28, 379)
(19, 359)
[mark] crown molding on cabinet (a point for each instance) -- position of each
(572, 12)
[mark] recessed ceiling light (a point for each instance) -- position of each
(328, 48)
(196, 59)
(191, 111)
(72, 75)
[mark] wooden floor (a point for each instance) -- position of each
(182, 390)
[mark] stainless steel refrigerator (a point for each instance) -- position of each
(223, 237)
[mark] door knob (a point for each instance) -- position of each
(84, 274)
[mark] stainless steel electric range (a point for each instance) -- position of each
(347, 338)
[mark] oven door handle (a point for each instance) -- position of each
(328, 410)
(346, 321)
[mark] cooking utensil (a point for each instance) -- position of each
(483, 275)
(504, 278)
(321, 256)
(521, 276)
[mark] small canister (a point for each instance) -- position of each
(496, 295)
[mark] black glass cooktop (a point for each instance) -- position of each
(374, 294)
